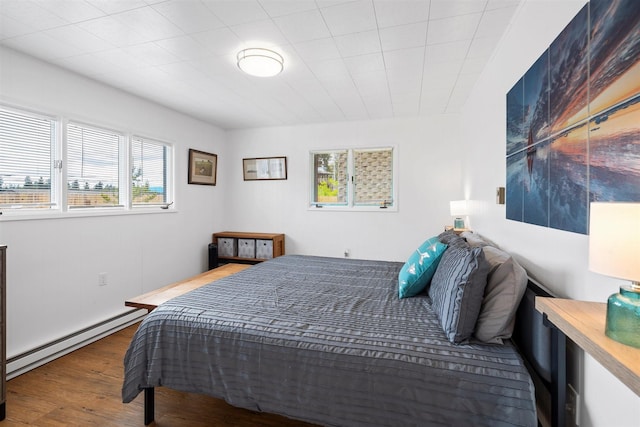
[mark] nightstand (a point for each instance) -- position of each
(583, 322)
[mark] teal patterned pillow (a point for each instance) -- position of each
(419, 268)
(457, 289)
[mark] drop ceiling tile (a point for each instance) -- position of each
(191, 17)
(403, 36)
(30, 13)
(116, 6)
(353, 17)
(358, 43)
(89, 64)
(221, 41)
(364, 64)
(149, 23)
(286, 7)
(236, 12)
(372, 84)
(494, 22)
(71, 10)
(482, 47)
(453, 29)
(446, 9)
(393, 13)
(113, 31)
(474, 65)
(10, 27)
(447, 52)
(183, 47)
(317, 50)
(151, 54)
(497, 4)
(182, 71)
(77, 37)
(410, 59)
(303, 26)
(120, 58)
(329, 68)
(42, 45)
(263, 33)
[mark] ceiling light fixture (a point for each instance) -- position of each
(260, 62)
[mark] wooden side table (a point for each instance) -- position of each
(584, 322)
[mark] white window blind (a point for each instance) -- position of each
(373, 177)
(27, 144)
(93, 159)
(150, 172)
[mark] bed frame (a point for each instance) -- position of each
(542, 346)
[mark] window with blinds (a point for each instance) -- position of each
(93, 162)
(353, 178)
(373, 177)
(149, 172)
(27, 146)
(95, 167)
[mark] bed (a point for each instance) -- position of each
(327, 341)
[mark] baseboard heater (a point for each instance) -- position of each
(31, 359)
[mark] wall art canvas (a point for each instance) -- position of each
(573, 121)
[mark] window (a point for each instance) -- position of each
(150, 163)
(360, 178)
(94, 167)
(27, 144)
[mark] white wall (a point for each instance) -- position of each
(556, 258)
(429, 176)
(53, 264)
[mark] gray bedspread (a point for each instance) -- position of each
(326, 340)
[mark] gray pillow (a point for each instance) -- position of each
(506, 284)
(450, 238)
(456, 291)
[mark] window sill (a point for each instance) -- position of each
(326, 208)
(31, 216)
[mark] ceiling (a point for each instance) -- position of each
(344, 60)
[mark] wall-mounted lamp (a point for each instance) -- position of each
(614, 250)
(459, 209)
(500, 192)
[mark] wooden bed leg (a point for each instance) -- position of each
(558, 375)
(149, 405)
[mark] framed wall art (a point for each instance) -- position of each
(264, 168)
(202, 167)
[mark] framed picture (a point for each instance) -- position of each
(264, 168)
(202, 167)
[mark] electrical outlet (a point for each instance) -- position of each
(346, 253)
(102, 279)
(573, 407)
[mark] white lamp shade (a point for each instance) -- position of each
(260, 62)
(614, 240)
(459, 208)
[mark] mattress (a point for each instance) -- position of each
(326, 340)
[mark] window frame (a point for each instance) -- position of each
(59, 207)
(351, 205)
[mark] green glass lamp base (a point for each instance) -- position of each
(623, 316)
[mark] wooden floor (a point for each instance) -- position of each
(84, 389)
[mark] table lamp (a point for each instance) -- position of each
(458, 208)
(614, 250)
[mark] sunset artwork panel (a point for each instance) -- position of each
(573, 136)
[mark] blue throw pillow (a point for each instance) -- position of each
(419, 268)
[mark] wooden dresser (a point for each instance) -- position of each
(3, 331)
